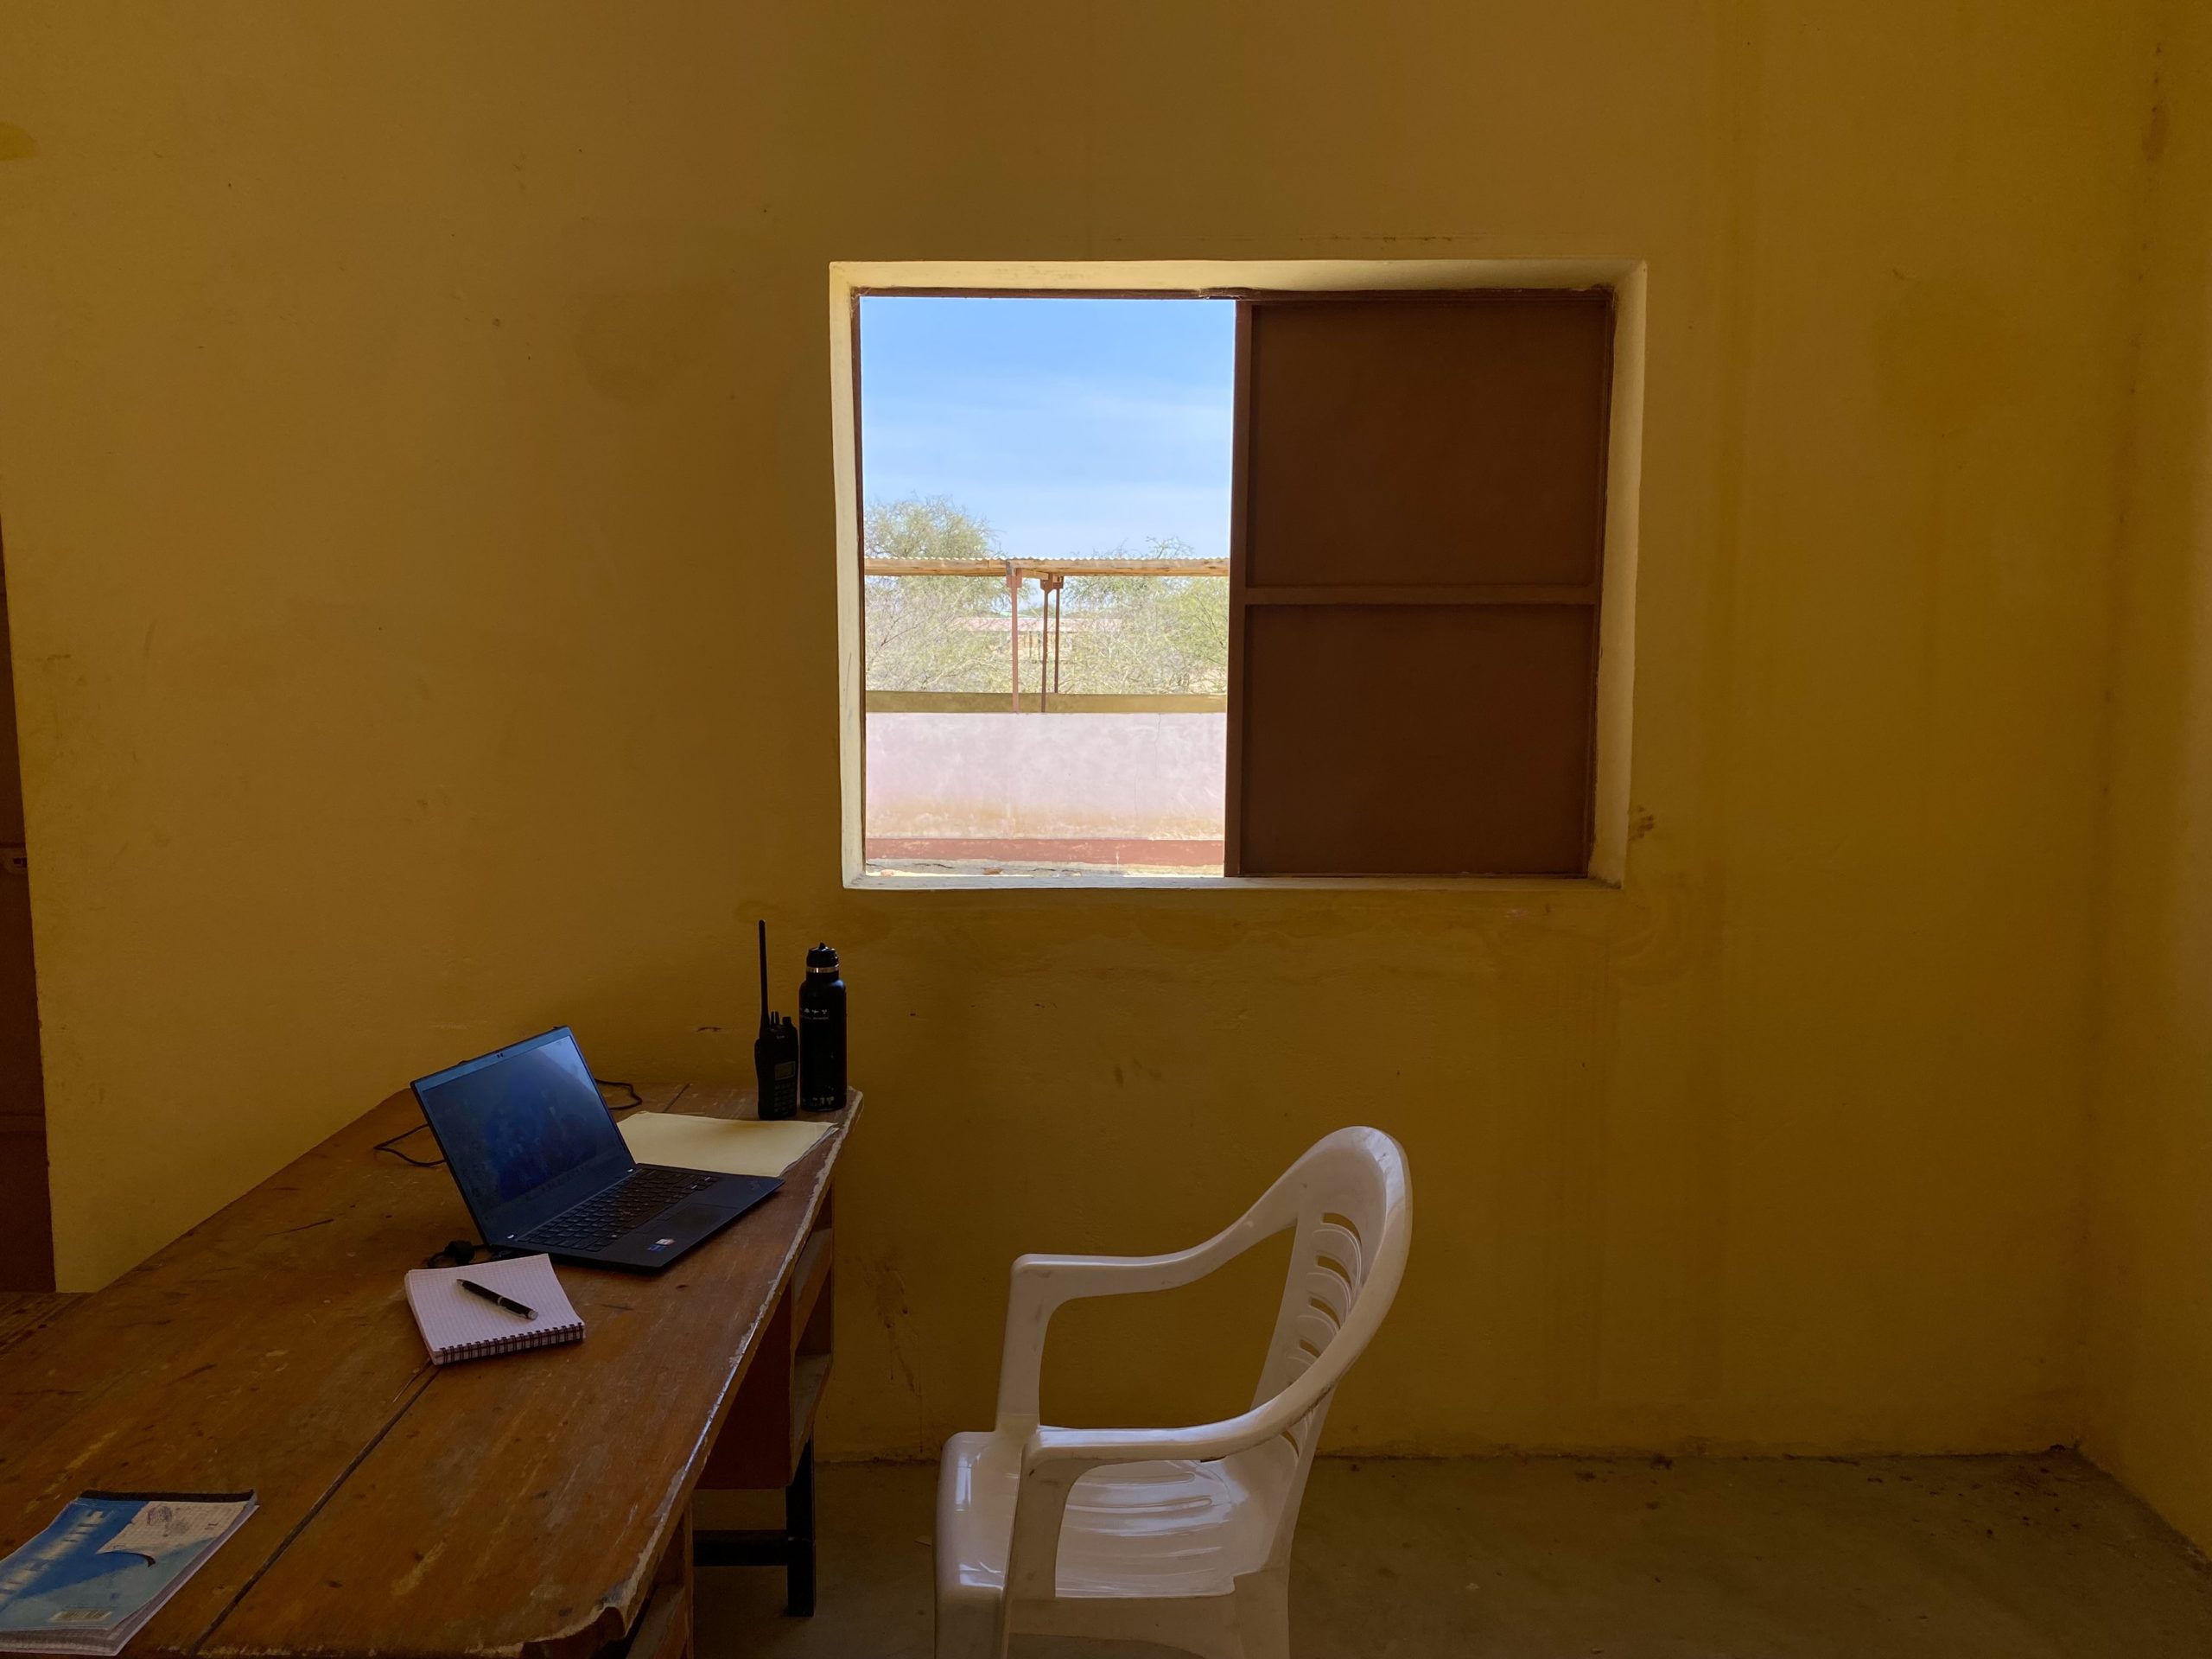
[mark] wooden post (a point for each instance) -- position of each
(1013, 628)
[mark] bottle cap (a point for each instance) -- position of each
(822, 956)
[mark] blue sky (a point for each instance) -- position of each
(1071, 426)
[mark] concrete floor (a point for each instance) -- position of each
(1910, 1558)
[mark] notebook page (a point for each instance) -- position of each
(727, 1146)
(452, 1318)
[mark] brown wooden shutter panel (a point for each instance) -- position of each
(1418, 540)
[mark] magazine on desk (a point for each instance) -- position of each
(90, 1581)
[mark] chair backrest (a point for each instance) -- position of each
(1349, 1201)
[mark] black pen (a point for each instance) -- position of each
(492, 1295)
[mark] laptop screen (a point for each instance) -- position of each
(525, 1132)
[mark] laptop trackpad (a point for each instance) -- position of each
(690, 1218)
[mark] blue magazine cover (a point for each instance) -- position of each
(91, 1580)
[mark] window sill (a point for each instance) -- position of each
(915, 881)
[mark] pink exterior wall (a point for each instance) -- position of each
(1008, 777)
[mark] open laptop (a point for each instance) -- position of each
(542, 1165)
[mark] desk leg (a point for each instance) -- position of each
(790, 1548)
(798, 1524)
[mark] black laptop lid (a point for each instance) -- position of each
(525, 1133)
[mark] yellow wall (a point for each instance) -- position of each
(415, 462)
(2151, 1336)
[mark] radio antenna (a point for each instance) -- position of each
(764, 973)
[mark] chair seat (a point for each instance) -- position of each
(1149, 1530)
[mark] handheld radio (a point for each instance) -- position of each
(775, 1051)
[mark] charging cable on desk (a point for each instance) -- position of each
(460, 1252)
(393, 1148)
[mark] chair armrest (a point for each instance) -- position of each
(1041, 1283)
(1200, 1443)
(1057, 1279)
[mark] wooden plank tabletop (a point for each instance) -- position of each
(513, 1506)
(22, 1312)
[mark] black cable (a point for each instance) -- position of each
(460, 1252)
(635, 1101)
(391, 1146)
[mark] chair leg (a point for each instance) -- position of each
(1263, 1615)
(967, 1630)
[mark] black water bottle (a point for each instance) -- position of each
(822, 1032)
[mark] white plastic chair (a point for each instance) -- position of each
(1179, 1536)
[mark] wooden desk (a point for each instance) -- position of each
(538, 1504)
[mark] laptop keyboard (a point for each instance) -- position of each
(607, 1215)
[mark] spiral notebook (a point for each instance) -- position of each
(459, 1324)
(92, 1580)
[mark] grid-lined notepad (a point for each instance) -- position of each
(459, 1324)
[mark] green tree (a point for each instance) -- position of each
(932, 633)
(928, 527)
(1145, 635)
